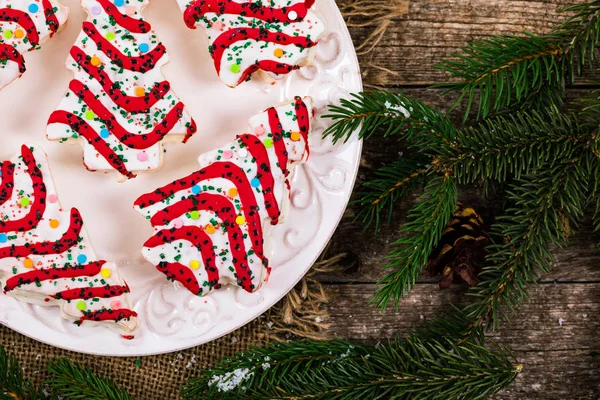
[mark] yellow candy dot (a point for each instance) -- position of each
(19, 33)
(54, 223)
(28, 263)
(194, 264)
(233, 192)
(95, 61)
(240, 220)
(296, 136)
(209, 229)
(105, 273)
(8, 34)
(139, 91)
(89, 115)
(278, 52)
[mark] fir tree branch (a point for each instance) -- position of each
(73, 382)
(545, 208)
(426, 365)
(426, 221)
(12, 384)
(420, 125)
(390, 184)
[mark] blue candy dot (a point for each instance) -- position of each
(119, 3)
(144, 48)
(33, 8)
(104, 133)
(255, 182)
(81, 259)
(3, 238)
(196, 189)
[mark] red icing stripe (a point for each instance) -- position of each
(103, 292)
(8, 181)
(303, 119)
(24, 20)
(198, 9)
(130, 104)
(41, 275)
(142, 64)
(225, 212)
(131, 24)
(131, 140)
(181, 273)
(199, 239)
(107, 315)
(267, 66)
(9, 53)
(278, 140)
(38, 206)
(51, 19)
(69, 239)
(224, 41)
(265, 176)
(84, 129)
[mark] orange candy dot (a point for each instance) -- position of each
(28, 263)
(210, 229)
(95, 61)
(19, 33)
(278, 53)
(296, 136)
(139, 91)
(54, 223)
(233, 192)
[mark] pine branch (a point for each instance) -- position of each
(545, 208)
(12, 384)
(516, 145)
(73, 382)
(393, 113)
(426, 221)
(380, 194)
(426, 365)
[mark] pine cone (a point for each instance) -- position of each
(461, 252)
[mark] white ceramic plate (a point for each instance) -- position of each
(172, 318)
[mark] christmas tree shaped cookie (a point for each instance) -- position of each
(210, 226)
(119, 106)
(24, 25)
(275, 36)
(45, 255)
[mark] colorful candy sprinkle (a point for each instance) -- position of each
(3, 238)
(240, 220)
(81, 259)
(81, 306)
(52, 198)
(119, 3)
(144, 48)
(28, 263)
(54, 223)
(196, 189)
(143, 156)
(24, 202)
(268, 143)
(210, 229)
(104, 133)
(296, 136)
(95, 61)
(194, 215)
(235, 68)
(89, 115)
(19, 33)
(105, 272)
(278, 52)
(33, 8)
(194, 264)
(255, 182)
(233, 192)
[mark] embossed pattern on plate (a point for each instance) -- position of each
(173, 318)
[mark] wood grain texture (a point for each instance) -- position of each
(555, 335)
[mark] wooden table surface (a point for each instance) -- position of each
(556, 335)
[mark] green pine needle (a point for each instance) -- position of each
(420, 235)
(429, 364)
(73, 382)
(12, 384)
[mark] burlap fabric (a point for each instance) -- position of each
(161, 377)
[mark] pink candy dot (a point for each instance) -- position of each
(218, 25)
(142, 156)
(178, 223)
(130, 10)
(227, 154)
(115, 305)
(52, 198)
(96, 10)
(260, 130)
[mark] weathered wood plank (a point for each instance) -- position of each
(432, 30)
(554, 336)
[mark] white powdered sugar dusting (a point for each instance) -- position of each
(230, 380)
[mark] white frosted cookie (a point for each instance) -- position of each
(274, 37)
(210, 227)
(119, 106)
(24, 25)
(45, 255)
